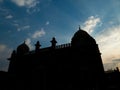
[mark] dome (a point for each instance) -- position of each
(82, 38)
(22, 49)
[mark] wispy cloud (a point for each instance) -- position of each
(26, 27)
(38, 33)
(26, 3)
(31, 5)
(90, 24)
(32, 10)
(9, 16)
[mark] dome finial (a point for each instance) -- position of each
(24, 41)
(79, 27)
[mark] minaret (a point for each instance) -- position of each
(53, 42)
(37, 46)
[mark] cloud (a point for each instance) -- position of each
(2, 47)
(31, 5)
(26, 27)
(26, 3)
(47, 23)
(9, 17)
(91, 23)
(113, 65)
(5, 53)
(28, 42)
(116, 60)
(38, 33)
(32, 10)
(109, 43)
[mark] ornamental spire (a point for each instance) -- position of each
(79, 27)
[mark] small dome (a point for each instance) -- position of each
(22, 49)
(82, 38)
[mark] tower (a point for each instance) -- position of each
(88, 58)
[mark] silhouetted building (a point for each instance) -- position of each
(71, 66)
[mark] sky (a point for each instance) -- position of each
(40, 20)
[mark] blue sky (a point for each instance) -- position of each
(33, 20)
